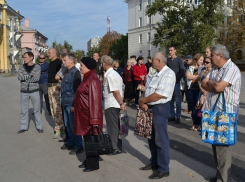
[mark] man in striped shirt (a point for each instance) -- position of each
(224, 77)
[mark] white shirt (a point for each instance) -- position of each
(162, 83)
(113, 82)
(78, 66)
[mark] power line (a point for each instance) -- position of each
(97, 29)
(74, 15)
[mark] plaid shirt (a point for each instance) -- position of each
(231, 74)
(162, 83)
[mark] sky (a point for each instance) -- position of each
(77, 20)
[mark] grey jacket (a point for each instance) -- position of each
(29, 81)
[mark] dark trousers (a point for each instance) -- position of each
(43, 90)
(92, 162)
(222, 158)
(112, 117)
(193, 96)
(137, 92)
(159, 142)
(176, 98)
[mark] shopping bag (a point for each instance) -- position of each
(97, 144)
(143, 125)
(124, 124)
(219, 128)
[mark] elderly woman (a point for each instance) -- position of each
(117, 68)
(128, 79)
(88, 108)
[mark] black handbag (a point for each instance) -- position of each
(97, 144)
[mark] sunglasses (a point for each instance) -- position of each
(41, 58)
(206, 62)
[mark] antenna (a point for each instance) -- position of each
(108, 24)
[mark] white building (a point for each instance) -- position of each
(93, 42)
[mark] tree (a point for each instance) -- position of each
(92, 51)
(232, 31)
(189, 27)
(106, 42)
(79, 54)
(59, 46)
(119, 49)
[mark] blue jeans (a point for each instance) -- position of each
(159, 142)
(75, 140)
(193, 96)
(176, 98)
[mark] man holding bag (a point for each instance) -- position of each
(224, 77)
(158, 94)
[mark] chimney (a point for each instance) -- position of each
(27, 23)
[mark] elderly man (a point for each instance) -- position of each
(113, 101)
(43, 83)
(29, 74)
(54, 91)
(224, 77)
(158, 94)
(69, 85)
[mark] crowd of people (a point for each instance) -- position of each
(74, 92)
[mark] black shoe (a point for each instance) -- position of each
(177, 120)
(158, 175)
(76, 151)
(148, 167)
(88, 170)
(211, 179)
(40, 130)
(66, 147)
(83, 165)
(63, 140)
(21, 131)
(171, 119)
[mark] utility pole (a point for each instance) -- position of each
(108, 24)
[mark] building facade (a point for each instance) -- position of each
(10, 45)
(93, 42)
(33, 40)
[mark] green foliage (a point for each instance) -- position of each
(92, 51)
(119, 49)
(79, 54)
(190, 28)
(65, 45)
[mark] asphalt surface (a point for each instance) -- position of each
(32, 156)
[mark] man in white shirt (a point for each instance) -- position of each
(158, 94)
(113, 102)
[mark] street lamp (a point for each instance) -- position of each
(57, 35)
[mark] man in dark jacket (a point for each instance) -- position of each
(176, 64)
(69, 85)
(43, 83)
(148, 64)
(29, 74)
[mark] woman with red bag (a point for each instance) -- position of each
(140, 73)
(88, 108)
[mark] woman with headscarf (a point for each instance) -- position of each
(88, 108)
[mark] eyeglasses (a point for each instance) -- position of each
(206, 62)
(41, 58)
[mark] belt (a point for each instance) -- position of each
(52, 84)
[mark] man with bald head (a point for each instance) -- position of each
(54, 91)
(158, 94)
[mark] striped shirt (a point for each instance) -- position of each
(229, 73)
(162, 83)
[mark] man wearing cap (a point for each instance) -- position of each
(88, 108)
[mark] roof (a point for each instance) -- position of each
(24, 28)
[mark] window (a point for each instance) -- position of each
(148, 37)
(229, 3)
(140, 22)
(140, 38)
(149, 2)
(149, 20)
(140, 5)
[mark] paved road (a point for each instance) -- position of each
(37, 157)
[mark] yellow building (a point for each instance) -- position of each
(8, 18)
